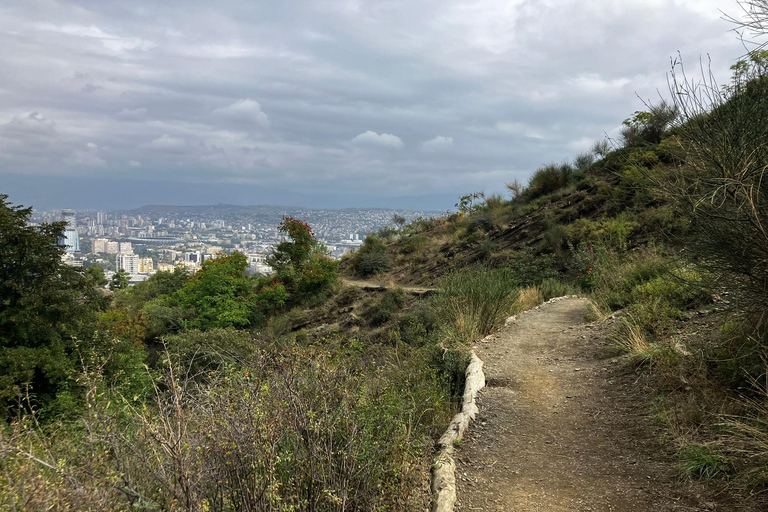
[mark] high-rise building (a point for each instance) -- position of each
(126, 247)
(128, 262)
(101, 218)
(70, 239)
(112, 248)
(68, 216)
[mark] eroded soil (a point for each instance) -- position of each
(565, 427)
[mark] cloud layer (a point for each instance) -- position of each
(397, 98)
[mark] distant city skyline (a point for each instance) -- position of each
(339, 103)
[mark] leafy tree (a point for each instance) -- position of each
(120, 280)
(219, 295)
(44, 306)
(292, 255)
(301, 262)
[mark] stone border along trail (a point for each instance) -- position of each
(560, 427)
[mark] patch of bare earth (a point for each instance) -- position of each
(563, 428)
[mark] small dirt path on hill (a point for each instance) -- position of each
(376, 285)
(563, 427)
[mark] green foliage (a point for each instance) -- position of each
(548, 179)
(612, 232)
(158, 285)
(486, 248)
(530, 269)
(203, 352)
(411, 244)
(219, 295)
(411, 330)
(555, 238)
(553, 287)
(391, 302)
(301, 263)
(311, 431)
(372, 257)
(120, 280)
(470, 202)
(722, 187)
(44, 307)
(702, 462)
(648, 127)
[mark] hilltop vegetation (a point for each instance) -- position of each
(219, 391)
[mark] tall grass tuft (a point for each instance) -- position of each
(702, 462)
(475, 301)
(528, 298)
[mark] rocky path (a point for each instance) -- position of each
(562, 427)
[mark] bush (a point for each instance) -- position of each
(649, 127)
(391, 302)
(411, 244)
(722, 187)
(372, 257)
(548, 179)
(553, 287)
(308, 432)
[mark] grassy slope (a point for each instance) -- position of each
(611, 233)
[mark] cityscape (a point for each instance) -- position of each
(153, 239)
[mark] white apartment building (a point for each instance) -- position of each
(128, 262)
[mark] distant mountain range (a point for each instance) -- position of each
(108, 193)
(156, 209)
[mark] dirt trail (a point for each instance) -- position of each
(562, 428)
(376, 285)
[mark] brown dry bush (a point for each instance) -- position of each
(301, 430)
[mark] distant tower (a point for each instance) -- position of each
(71, 238)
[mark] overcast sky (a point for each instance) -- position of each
(347, 100)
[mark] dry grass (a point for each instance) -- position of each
(632, 339)
(750, 433)
(528, 298)
(596, 312)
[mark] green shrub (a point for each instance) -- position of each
(615, 276)
(555, 238)
(612, 232)
(548, 179)
(202, 352)
(411, 330)
(387, 233)
(391, 302)
(530, 269)
(372, 257)
(552, 287)
(411, 244)
(481, 221)
(310, 431)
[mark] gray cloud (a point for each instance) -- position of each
(340, 96)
